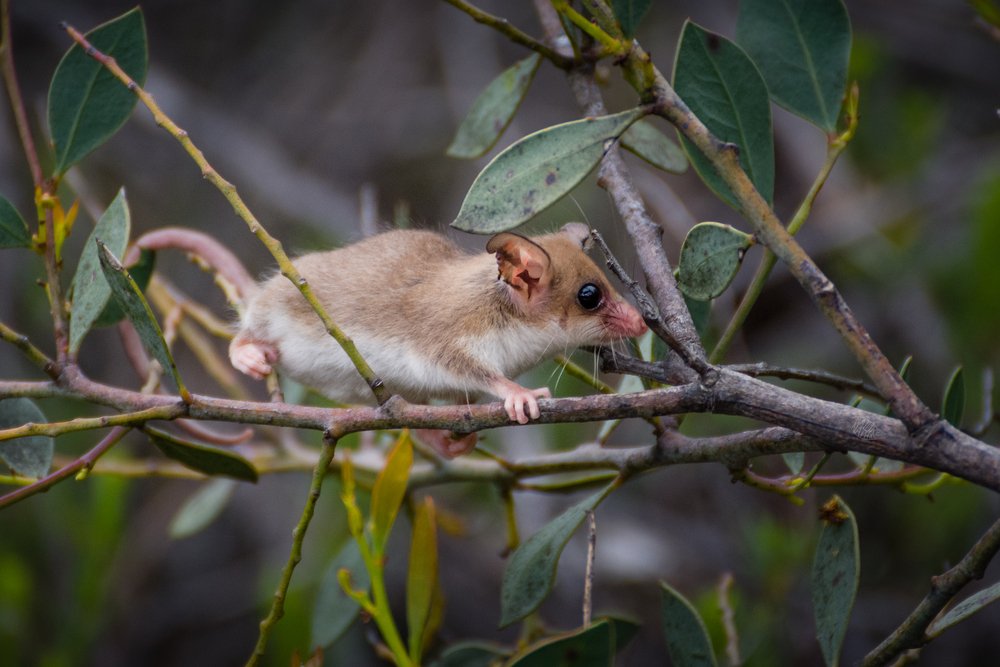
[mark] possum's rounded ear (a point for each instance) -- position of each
(522, 264)
(579, 232)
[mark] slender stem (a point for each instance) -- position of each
(912, 632)
(228, 190)
(53, 429)
(588, 577)
(723, 594)
(504, 27)
(14, 93)
(818, 376)
(298, 535)
(85, 462)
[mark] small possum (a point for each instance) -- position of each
(433, 321)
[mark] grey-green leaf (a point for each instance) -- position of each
(532, 568)
(536, 171)
(335, 611)
(687, 639)
(802, 48)
(630, 14)
(493, 110)
(30, 456)
(725, 90)
(91, 292)
(654, 147)
(593, 646)
(13, 229)
(130, 299)
(710, 257)
(964, 609)
(87, 104)
(201, 457)
(835, 573)
(202, 508)
(953, 402)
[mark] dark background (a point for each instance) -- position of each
(303, 103)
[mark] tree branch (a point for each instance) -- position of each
(912, 633)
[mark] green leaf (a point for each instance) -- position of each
(493, 110)
(953, 403)
(802, 48)
(593, 646)
(471, 654)
(130, 299)
(30, 456)
(710, 257)
(13, 229)
(536, 171)
(141, 272)
(335, 610)
(723, 88)
(422, 577)
(91, 292)
(630, 14)
(687, 639)
(201, 457)
(389, 490)
(654, 147)
(701, 315)
(202, 508)
(964, 609)
(532, 567)
(625, 631)
(835, 573)
(87, 104)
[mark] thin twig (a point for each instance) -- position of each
(37, 357)
(298, 535)
(16, 100)
(52, 429)
(588, 576)
(85, 462)
(834, 380)
(723, 594)
(504, 27)
(912, 633)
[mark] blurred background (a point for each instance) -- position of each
(304, 103)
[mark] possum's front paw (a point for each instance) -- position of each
(520, 402)
(252, 357)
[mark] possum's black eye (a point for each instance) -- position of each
(589, 296)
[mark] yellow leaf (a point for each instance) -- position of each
(389, 490)
(422, 580)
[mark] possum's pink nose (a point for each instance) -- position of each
(635, 324)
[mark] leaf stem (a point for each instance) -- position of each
(611, 45)
(229, 191)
